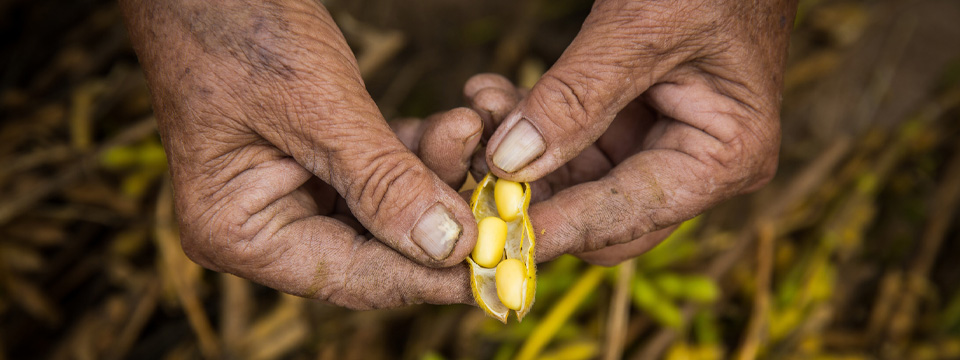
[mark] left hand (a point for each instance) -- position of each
(283, 169)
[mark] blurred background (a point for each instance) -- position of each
(852, 252)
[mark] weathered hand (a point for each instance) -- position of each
(656, 112)
(281, 162)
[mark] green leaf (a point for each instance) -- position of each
(668, 314)
(645, 295)
(700, 288)
(672, 285)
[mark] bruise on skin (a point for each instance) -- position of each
(251, 34)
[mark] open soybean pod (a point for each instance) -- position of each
(518, 245)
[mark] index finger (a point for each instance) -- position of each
(715, 151)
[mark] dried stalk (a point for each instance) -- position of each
(619, 311)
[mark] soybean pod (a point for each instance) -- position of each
(503, 272)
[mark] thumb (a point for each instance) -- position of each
(608, 64)
(386, 187)
(403, 203)
(325, 119)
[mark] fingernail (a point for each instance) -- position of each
(437, 232)
(522, 145)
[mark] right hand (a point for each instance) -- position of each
(283, 167)
(657, 111)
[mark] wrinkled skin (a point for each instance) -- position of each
(656, 112)
(285, 172)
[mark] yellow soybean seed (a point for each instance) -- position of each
(509, 278)
(510, 284)
(509, 198)
(490, 241)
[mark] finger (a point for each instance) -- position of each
(478, 164)
(686, 170)
(591, 164)
(448, 143)
(616, 56)
(493, 97)
(275, 238)
(742, 141)
(409, 131)
(443, 134)
(398, 198)
(330, 261)
(616, 144)
(613, 255)
(249, 74)
(484, 81)
(627, 204)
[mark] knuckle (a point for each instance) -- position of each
(193, 221)
(765, 173)
(727, 154)
(463, 122)
(223, 239)
(573, 113)
(479, 82)
(760, 148)
(390, 183)
(195, 251)
(494, 101)
(749, 158)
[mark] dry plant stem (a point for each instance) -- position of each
(619, 311)
(811, 68)
(890, 311)
(31, 298)
(413, 72)
(882, 78)
(802, 186)
(377, 46)
(279, 332)
(434, 331)
(754, 338)
(282, 343)
(11, 208)
(809, 181)
(891, 286)
(560, 312)
(517, 40)
(236, 305)
(173, 259)
(284, 321)
(81, 113)
(945, 202)
(638, 324)
(146, 306)
(36, 159)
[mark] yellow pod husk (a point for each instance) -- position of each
(520, 245)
